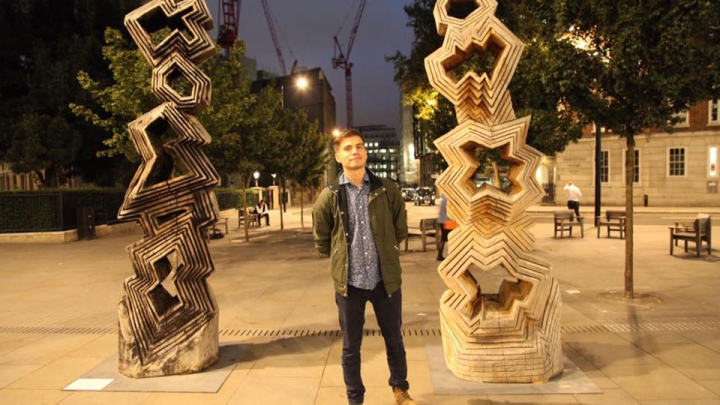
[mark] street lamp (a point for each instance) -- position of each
(336, 132)
(302, 83)
(257, 176)
(273, 177)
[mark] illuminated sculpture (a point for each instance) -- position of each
(168, 317)
(514, 335)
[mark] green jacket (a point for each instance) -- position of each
(388, 221)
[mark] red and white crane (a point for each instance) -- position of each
(229, 11)
(342, 60)
(230, 18)
(276, 41)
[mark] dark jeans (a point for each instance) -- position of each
(352, 319)
(575, 206)
(267, 219)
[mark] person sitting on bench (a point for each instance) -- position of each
(262, 211)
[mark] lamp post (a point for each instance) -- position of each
(273, 177)
(256, 175)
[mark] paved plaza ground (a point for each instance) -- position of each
(58, 319)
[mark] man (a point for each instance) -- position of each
(262, 210)
(359, 220)
(573, 197)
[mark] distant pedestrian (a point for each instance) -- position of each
(262, 211)
(446, 225)
(359, 221)
(573, 197)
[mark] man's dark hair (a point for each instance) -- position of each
(346, 133)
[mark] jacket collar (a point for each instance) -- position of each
(375, 182)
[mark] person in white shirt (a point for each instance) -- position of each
(262, 210)
(573, 197)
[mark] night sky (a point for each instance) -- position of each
(307, 28)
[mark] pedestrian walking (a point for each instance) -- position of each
(573, 197)
(446, 225)
(359, 221)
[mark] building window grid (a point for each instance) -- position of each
(684, 119)
(713, 117)
(676, 160)
(636, 167)
(604, 166)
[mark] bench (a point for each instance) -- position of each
(697, 232)
(614, 221)
(565, 221)
(254, 218)
(428, 227)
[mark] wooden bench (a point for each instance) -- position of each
(614, 221)
(254, 218)
(697, 232)
(428, 227)
(565, 221)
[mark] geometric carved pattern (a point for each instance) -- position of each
(168, 316)
(512, 335)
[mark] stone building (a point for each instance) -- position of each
(671, 169)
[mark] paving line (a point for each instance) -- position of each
(570, 329)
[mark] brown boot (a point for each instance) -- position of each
(402, 397)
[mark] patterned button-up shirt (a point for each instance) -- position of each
(364, 266)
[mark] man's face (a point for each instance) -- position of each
(351, 153)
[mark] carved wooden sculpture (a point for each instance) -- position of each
(514, 335)
(169, 317)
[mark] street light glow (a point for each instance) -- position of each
(336, 132)
(302, 83)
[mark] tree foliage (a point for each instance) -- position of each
(43, 44)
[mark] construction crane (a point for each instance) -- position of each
(276, 41)
(228, 32)
(342, 60)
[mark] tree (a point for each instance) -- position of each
(309, 156)
(647, 61)
(43, 44)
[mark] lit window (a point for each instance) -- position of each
(676, 160)
(684, 119)
(713, 112)
(604, 166)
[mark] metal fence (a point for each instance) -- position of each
(35, 211)
(42, 211)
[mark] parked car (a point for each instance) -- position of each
(425, 195)
(408, 194)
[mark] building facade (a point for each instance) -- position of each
(383, 148)
(671, 169)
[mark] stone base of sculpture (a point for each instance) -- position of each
(195, 353)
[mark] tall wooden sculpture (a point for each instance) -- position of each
(168, 317)
(514, 335)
